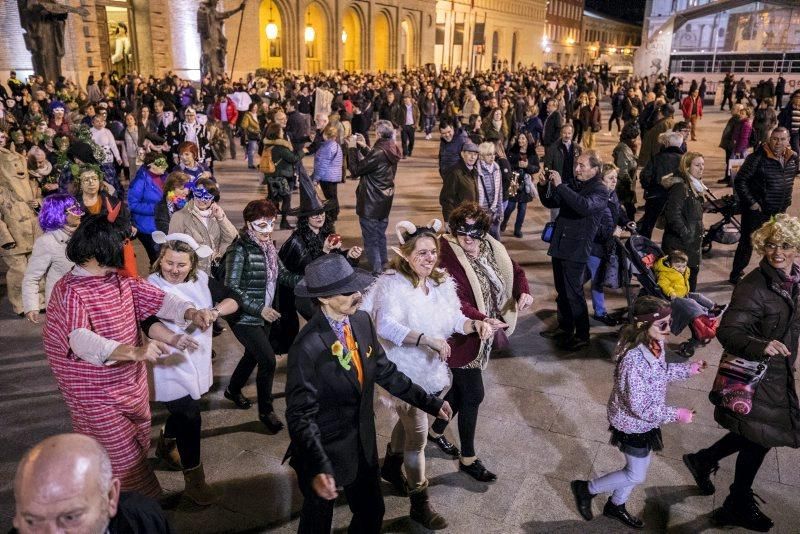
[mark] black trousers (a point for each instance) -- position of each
(407, 139)
(151, 247)
(751, 221)
(363, 497)
(183, 425)
(748, 462)
(331, 192)
(652, 209)
(257, 353)
(573, 313)
(726, 97)
(465, 397)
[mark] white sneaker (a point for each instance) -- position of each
(427, 137)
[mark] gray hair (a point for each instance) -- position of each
(384, 129)
(594, 159)
(486, 148)
(671, 139)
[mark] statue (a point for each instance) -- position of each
(43, 22)
(213, 43)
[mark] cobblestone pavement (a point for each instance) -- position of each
(542, 423)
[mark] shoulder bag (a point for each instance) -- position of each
(736, 383)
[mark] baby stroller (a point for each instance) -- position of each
(641, 254)
(726, 231)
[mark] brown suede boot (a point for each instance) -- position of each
(421, 510)
(197, 490)
(167, 452)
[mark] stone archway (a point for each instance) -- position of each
(318, 49)
(353, 46)
(408, 44)
(273, 50)
(382, 42)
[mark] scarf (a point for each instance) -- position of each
(271, 257)
(697, 185)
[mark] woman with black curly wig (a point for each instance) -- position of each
(314, 236)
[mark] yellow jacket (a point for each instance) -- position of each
(671, 281)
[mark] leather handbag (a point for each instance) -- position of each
(736, 383)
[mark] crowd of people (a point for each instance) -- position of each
(85, 171)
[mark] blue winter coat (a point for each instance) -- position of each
(450, 153)
(328, 162)
(143, 196)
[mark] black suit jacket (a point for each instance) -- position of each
(329, 415)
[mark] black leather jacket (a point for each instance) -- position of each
(245, 275)
(298, 251)
(376, 169)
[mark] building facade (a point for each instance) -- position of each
(156, 36)
(609, 41)
(561, 42)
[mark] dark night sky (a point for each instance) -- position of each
(630, 10)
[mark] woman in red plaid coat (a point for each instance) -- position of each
(94, 348)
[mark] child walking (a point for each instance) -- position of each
(637, 408)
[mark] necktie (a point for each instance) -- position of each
(350, 341)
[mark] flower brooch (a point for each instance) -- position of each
(337, 349)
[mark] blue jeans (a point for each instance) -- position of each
(373, 233)
(252, 148)
(428, 123)
(598, 297)
(521, 207)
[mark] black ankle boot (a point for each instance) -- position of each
(583, 498)
(701, 471)
(271, 421)
(392, 471)
(421, 510)
(618, 512)
(742, 511)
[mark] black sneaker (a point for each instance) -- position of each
(445, 445)
(622, 515)
(271, 421)
(583, 498)
(701, 473)
(606, 319)
(742, 512)
(572, 344)
(241, 402)
(477, 471)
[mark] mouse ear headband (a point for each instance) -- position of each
(202, 251)
(406, 229)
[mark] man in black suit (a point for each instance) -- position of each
(332, 370)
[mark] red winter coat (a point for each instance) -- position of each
(686, 107)
(232, 112)
(464, 348)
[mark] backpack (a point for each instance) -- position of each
(266, 165)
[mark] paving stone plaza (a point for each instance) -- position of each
(542, 424)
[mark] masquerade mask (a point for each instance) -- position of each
(160, 163)
(262, 226)
(75, 210)
(475, 230)
(202, 194)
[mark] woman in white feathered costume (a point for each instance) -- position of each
(415, 309)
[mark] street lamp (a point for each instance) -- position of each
(309, 33)
(272, 28)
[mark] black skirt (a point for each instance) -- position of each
(637, 445)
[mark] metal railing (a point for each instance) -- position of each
(747, 66)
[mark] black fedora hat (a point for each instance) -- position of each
(311, 205)
(330, 275)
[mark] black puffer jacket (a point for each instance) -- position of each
(579, 215)
(763, 179)
(376, 169)
(245, 275)
(283, 156)
(683, 217)
(661, 164)
(760, 311)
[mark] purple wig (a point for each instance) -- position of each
(53, 215)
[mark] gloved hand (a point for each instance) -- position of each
(697, 367)
(685, 415)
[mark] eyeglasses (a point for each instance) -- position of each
(74, 210)
(769, 245)
(91, 179)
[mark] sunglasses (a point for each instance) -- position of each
(474, 234)
(663, 325)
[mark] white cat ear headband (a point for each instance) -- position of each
(202, 251)
(406, 229)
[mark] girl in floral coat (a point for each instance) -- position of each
(637, 408)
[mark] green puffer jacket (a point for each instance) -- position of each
(245, 275)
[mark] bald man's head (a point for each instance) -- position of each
(65, 481)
